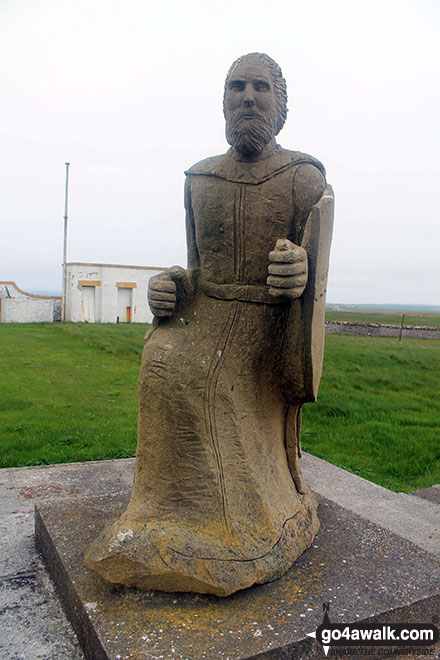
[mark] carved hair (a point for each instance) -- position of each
(278, 82)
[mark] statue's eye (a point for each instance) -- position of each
(261, 86)
(236, 85)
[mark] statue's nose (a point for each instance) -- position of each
(248, 97)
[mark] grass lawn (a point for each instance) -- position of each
(378, 411)
(68, 392)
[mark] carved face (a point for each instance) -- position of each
(250, 108)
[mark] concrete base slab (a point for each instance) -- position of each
(364, 571)
(70, 480)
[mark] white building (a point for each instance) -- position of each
(18, 306)
(108, 293)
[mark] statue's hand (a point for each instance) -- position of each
(287, 270)
(162, 295)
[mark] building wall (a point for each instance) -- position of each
(108, 293)
(18, 306)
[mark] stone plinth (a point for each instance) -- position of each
(362, 570)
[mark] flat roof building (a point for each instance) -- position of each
(108, 293)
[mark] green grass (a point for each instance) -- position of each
(388, 318)
(378, 412)
(68, 392)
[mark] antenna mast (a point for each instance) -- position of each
(66, 203)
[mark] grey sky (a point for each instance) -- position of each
(130, 92)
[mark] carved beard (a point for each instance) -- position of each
(250, 136)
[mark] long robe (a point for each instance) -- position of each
(218, 501)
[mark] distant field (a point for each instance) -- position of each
(68, 392)
(389, 318)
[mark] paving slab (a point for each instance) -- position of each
(9, 496)
(432, 494)
(410, 517)
(364, 571)
(32, 625)
(17, 546)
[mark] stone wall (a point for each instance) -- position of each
(27, 311)
(380, 330)
(18, 306)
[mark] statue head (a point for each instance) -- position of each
(254, 102)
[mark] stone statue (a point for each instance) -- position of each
(236, 348)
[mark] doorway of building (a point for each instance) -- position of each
(88, 304)
(123, 313)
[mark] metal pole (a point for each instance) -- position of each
(66, 203)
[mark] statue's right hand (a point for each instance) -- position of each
(162, 295)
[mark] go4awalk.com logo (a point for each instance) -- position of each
(408, 635)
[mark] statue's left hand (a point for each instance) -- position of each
(288, 269)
